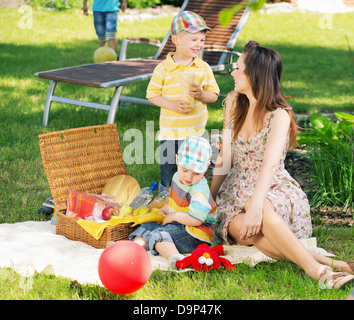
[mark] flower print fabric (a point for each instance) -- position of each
(286, 195)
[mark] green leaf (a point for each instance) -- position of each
(346, 127)
(257, 4)
(225, 16)
(321, 125)
(306, 138)
(345, 116)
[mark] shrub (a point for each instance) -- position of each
(77, 4)
(140, 4)
(57, 4)
(331, 151)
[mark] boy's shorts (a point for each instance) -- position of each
(105, 24)
(174, 232)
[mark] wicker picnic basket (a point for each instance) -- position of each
(82, 159)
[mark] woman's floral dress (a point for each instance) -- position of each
(289, 201)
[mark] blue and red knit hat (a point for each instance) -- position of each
(188, 21)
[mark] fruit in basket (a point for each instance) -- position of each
(149, 217)
(140, 211)
(125, 211)
(107, 213)
(124, 267)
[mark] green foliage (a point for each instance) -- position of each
(77, 4)
(331, 151)
(176, 3)
(140, 4)
(226, 15)
(326, 133)
(57, 4)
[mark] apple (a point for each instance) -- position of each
(107, 213)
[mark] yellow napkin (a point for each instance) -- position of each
(96, 228)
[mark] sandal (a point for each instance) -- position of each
(349, 270)
(47, 207)
(333, 280)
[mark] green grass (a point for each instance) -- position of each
(317, 67)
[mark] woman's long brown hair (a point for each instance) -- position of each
(263, 68)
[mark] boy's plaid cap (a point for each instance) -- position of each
(194, 154)
(189, 22)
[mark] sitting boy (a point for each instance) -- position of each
(188, 216)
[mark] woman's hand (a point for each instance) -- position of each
(252, 220)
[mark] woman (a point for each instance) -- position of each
(258, 202)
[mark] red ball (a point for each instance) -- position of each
(124, 267)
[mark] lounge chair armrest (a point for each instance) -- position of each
(135, 40)
(228, 60)
(224, 49)
(153, 42)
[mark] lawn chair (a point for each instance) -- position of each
(218, 53)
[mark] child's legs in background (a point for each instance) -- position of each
(168, 167)
(111, 29)
(106, 28)
(99, 21)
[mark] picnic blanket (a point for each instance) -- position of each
(33, 247)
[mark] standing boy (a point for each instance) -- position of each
(179, 118)
(105, 15)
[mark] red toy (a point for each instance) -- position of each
(204, 258)
(124, 267)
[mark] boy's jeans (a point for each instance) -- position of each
(105, 24)
(175, 232)
(168, 167)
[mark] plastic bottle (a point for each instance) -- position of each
(144, 197)
(160, 200)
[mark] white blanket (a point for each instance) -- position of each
(32, 246)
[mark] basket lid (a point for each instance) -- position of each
(81, 159)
